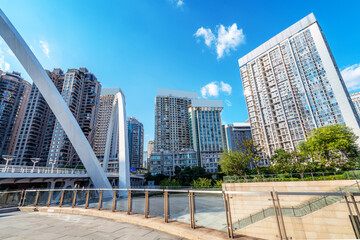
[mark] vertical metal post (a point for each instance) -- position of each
(74, 199)
(357, 183)
(87, 199)
(62, 198)
(263, 211)
(36, 198)
(293, 211)
(312, 176)
(191, 208)
(227, 215)
(129, 203)
(166, 206)
(352, 217)
(230, 219)
(23, 202)
(146, 203)
(281, 215)
(114, 201)
(100, 199)
(49, 198)
(326, 203)
(21, 197)
(355, 205)
(276, 215)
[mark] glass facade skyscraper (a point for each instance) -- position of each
(136, 142)
(206, 132)
(293, 85)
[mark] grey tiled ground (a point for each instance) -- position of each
(36, 225)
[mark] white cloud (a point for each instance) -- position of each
(213, 89)
(225, 87)
(207, 34)
(228, 38)
(228, 103)
(351, 77)
(45, 48)
(179, 3)
(4, 65)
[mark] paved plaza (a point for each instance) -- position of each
(38, 225)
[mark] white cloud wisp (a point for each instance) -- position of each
(351, 76)
(228, 38)
(213, 89)
(45, 48)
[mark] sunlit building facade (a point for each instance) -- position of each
(14, 96)
(206, 132)
(355, 97)
(293, 85)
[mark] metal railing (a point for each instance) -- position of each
(211, 209)
(309, 176)
(39, 170)
(300, 210)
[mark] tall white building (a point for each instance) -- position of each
(172, 128)
(293, 85)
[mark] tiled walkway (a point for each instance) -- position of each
(36, 225)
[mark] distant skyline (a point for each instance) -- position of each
(186, 45)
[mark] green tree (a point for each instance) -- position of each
(234, 163)
(169, 183)
(218, 183)
(188, 175)
(252, 150)
(202, 182)
(331, 147)
(282, 161)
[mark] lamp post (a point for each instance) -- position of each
(35, 161)
(7, 158)
(52, 162)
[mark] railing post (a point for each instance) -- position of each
(21, 197)
(281, 215)
(146, 203)
(357, 183)
(23, 202)
(87, 199)
(276, 215)
(230, 219)
(352, 217)
(36, 198)
(100, 199)
(62, 198)
(293, 211)
(312, 176)
(166, 206)
(191, 208)
(129, 203)
(114, 201)
(227, 215)
(49, 198)
(74, 199)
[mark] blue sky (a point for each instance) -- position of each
(140, 46)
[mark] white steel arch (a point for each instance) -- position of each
(53, 98)
(118, 123)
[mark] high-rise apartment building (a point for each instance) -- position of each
(136, 142)
(172, 127)
(206, 132)
(37, 126)
(293, 85)
(14, 95)
(355, 97)
(235, 134)
(81, 91)
(104, 113)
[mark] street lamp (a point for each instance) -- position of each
(7, 158)
(35, 161)
(52, 162)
